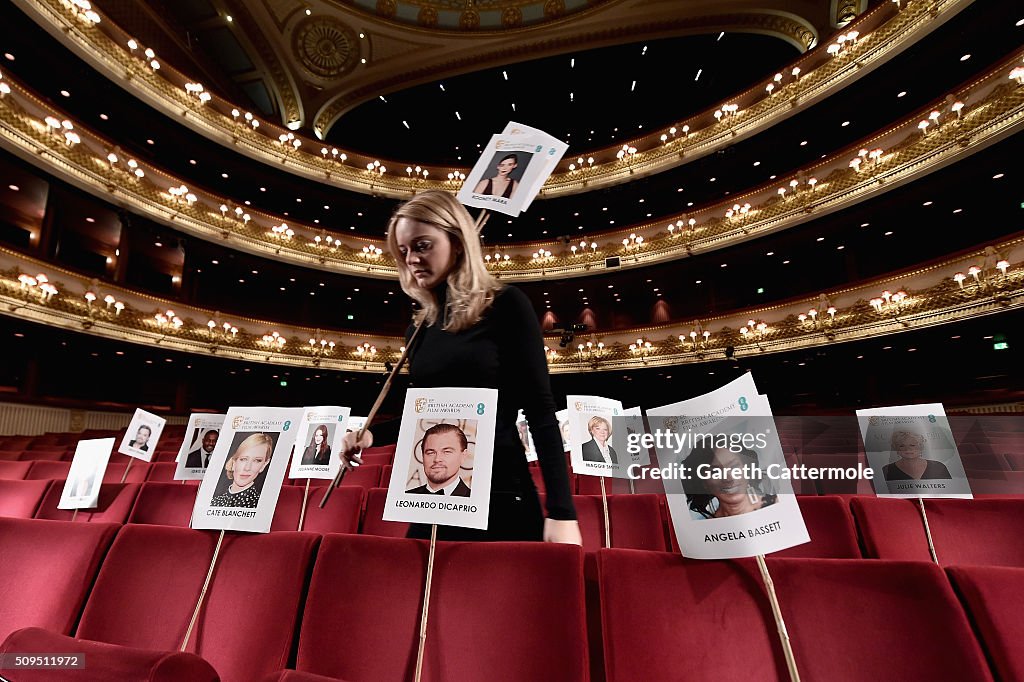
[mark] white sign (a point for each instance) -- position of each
(509, 173)
(201, 436)
(911, 450)
(563, 428)
(727, 486)
(442, 468)
(355, 423)
(633, 418)
(551, 159)
(82, 489)
(245, 475)
(525, 437)
(594, 450)
(143, 433)
(318, 442)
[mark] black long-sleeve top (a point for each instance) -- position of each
(504, 350)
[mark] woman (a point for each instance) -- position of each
(477, 333)
(318, 452)
(597, 449)
(501, 184)
(242, 469)
(911, 465)
(720, 493)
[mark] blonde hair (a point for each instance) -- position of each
(594, 421)
(471, 289)
(254, 440)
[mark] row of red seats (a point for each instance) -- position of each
(983, 531)
(347, 607)
(366, 476)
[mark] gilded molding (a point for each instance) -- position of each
(993, 109)
(284, 84)
(885, 32)
(925, 297)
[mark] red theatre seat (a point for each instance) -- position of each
(47, 570)
(373, 523)
(10, 455)
(830, 527)
(14, 471)
(164, 504)
(340, 515)
(492, 611)
(994, 598)
(636, 522)
(57, 471)
(668, 618)
(163, 472)
(113, 505)
(21, 499)
(147, 589)
(46, 455)
(104, 662)
(984, 531)
(115, 472)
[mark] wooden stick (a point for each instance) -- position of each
(780, 623)
(607, 520)
(481, 219)
(305, 499)
(928, 531)
(426, 604)
(373, 412)
(124, 476)
(202, 594)
(74, 514)
(632, 487)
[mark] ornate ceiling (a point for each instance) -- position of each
(319, 59)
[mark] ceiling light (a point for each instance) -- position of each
(844, 124)
(902, 94)
(697, 77)
(804, 143)
(888, 233)
(997, 176)
(821, 239)
(757, 163)
(65, 93)
(965, 57)
(228, 17)
(864, 224)
(927, 203)
(13, 188)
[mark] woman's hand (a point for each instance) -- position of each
(351, 449)
(565, 532)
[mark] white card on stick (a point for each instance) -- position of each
(442, 466)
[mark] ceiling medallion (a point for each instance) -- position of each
(386, 8)
(427, 17)
(326, 47)
(554, 8)
(469, 20)
(511, 17)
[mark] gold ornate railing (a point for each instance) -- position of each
(965, 121)
(984, 282)
(881, 33)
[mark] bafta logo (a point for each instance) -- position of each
(237, 422)
(421, 404)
